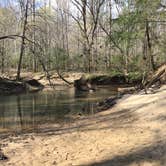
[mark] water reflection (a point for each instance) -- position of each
(28, 111)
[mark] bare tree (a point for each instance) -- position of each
(88, 22)
(22, 49)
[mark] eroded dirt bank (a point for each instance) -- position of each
(132, 133)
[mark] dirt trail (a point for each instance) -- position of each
(133, 133)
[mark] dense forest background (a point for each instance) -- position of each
(111, 36)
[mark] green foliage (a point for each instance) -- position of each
(116, 73)
(135, 76)
(57, 36)
(125, 29)
(59, 58)
(136, 63)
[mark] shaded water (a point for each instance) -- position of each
(28, 111)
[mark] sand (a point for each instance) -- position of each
(132, 133)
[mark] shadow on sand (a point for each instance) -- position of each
(154, 153)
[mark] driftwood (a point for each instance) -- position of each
(83, 84)
(14, 87)
(62, 78)
(9, 87)
(33, 85)
(127, 90)
(2, 156)
(158, 77)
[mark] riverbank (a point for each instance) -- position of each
(70, 77)
(33, 82)
(41, 77)
(132, 133)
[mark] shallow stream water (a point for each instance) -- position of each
(23, 112)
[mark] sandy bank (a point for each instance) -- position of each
(133, 133)
(40, 76)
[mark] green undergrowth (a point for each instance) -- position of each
(131, 77)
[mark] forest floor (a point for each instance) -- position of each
(132, 133)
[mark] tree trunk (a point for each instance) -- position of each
(3, 57)
(89, 57)
(23, 41)
(34, 48)
(150, 56)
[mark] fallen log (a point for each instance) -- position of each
(83, 84)
(61, 77)
(3, 156)
(33, 85)
(126, 90)
(158, 77)
(14, 87)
